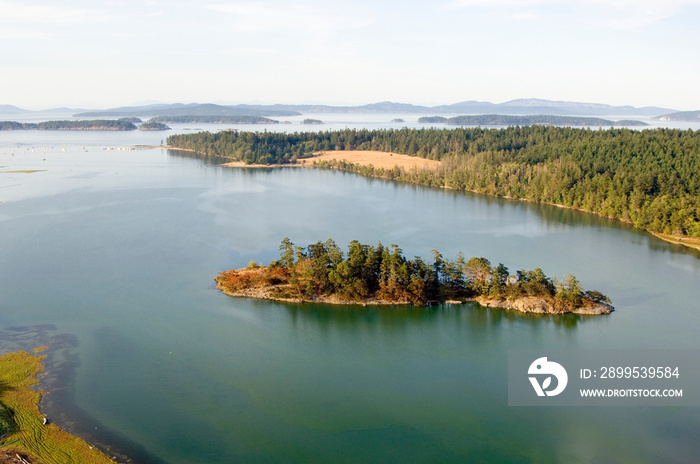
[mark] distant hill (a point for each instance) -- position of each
(189, 119)
(548, 107)
(529, 106)
(191, 109)
(509, 120)
(680, 116)
(11, 109)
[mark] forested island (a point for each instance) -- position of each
(508, 120)
(213, 119)
(153, 126)
(680, 116)
(381, 275)
(93, 124)
(647, 178)
(432, 119)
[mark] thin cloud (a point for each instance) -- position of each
(21, 13)
(617, 14)
(631, 14)
(305, 19)
(22, 34)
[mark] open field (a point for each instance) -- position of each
(378, 159)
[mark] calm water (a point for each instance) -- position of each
(116, 251)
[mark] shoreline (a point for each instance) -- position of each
(57, 384)
(523, 304)
(28, 432)
(686, 241)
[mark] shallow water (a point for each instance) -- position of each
(119, 249)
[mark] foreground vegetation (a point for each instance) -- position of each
(382, 275)
(647, 178)
(23, 430)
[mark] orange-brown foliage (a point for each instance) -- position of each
(239, 279)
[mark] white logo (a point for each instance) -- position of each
(542, 367)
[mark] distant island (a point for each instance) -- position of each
(311, 121)
(509, 120)
(380, 275)
(86, 125)
(133, 120)
(432, 119)
(153, 126)
(190, 109)
(680, 116)
(211, 119)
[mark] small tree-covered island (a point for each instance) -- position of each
(380, 275)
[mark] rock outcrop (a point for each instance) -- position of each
(539, 305)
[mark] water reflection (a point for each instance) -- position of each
(479, 319)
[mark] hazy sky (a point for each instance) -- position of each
(94, 53)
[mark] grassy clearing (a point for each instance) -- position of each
(680, 240)
(26, 432)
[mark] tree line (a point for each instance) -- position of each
(647, 178)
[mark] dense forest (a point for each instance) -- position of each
(383, 273)
(214, 119)
(507, 120)
(93, 124)
(648, 178)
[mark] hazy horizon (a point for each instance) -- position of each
(84, 54)
(318, 103)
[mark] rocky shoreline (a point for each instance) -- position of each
(524, 304)
(539, 305)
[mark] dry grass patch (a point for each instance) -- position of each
(378, 159)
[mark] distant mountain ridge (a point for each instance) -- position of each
(191, 109)
(523, 106)
(516, 107)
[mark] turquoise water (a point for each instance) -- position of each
(119, 250)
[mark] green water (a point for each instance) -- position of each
(119, 250)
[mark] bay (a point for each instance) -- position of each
(119, 249)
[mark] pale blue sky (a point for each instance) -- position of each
(95, 53)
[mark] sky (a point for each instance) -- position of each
(100, 54)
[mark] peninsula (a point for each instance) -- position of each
(380, 275)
